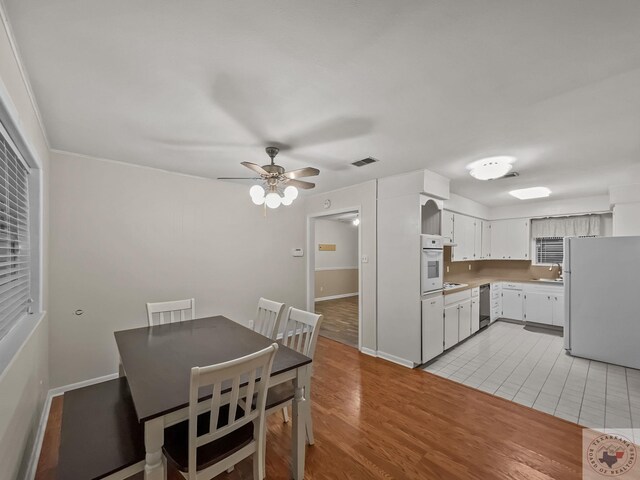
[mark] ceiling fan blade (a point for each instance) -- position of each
(239, 178)
(301, 184)
(256, 168)
(302, 172)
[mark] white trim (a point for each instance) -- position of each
(334, 297)
(311, 259)
(14, 341)
(325, 269)
(37, 443)
(44, 418)
(25, 78)
(396, 360)
(369, 351)
(85, 383)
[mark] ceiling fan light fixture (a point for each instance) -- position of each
(256, 191)
(273, 200)
(491, 168)
(286, 201)
(291, 192)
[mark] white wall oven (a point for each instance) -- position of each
(432, 263)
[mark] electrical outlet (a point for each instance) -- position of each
(447, 268)
(469, 266)
(321, 288)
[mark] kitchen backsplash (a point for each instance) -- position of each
(498, 268)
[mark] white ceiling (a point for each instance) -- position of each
(199, 86)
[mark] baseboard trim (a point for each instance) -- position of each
(397, 360)
(368, 351)
(37, 444)
(85, 383)
(44, 418)
(334, 297)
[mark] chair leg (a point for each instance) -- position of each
(262, 453)
(309, 427)
(256, 466)
(285, 415)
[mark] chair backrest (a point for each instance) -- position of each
(268, 317)
(169, 312)
(301, 331)
(255, 370)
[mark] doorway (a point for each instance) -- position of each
(334, 274)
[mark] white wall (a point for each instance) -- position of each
(344, 236)
(626, 210)
(24, 379)
(361, 196)
(466, 206)
(127, 235)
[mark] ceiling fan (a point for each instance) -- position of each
(280, 186)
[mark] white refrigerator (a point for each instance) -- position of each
(602, 299)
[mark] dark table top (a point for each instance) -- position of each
(158, 360)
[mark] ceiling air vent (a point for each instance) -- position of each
(365, 161)
(509, 175)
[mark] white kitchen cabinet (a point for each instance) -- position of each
(512, 306)
(447, 226)
(538, 308)
(485, 247)
(464, 233)
(475, 314)
(432, 327)
(450, 326)
(496, 301)
(510, 239)
(477, 239)
(464, 237)
(464, 320)
(543, 304)
(558, 310)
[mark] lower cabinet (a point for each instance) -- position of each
(475, 314)
(464, 320)
(512, 306)
(545, 306)
(432, 327)
(451, 325)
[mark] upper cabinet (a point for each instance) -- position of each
(485, 250)
(447, 226)
(477, 239)
(510, 239)
(464, 230)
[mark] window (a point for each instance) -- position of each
(549, 250)
(15, 264)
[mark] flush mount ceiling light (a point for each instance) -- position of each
(491, 168)
(529, 193)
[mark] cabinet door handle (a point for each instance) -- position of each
(556, 298)
(433, 303)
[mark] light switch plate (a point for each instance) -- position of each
(297, 252)
(365, 258)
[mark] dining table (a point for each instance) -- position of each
(157, 362)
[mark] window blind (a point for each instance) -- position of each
(549, 250)
(14, 237)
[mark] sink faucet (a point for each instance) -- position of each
(559, 269)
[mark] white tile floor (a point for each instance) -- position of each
(533, 369)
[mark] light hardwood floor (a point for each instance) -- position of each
(377, 420)
(340, 320)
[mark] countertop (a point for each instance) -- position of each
(473, 281)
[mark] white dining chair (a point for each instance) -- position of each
(300, 334)
(210, 443)
(268, 317)
(176, 311)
